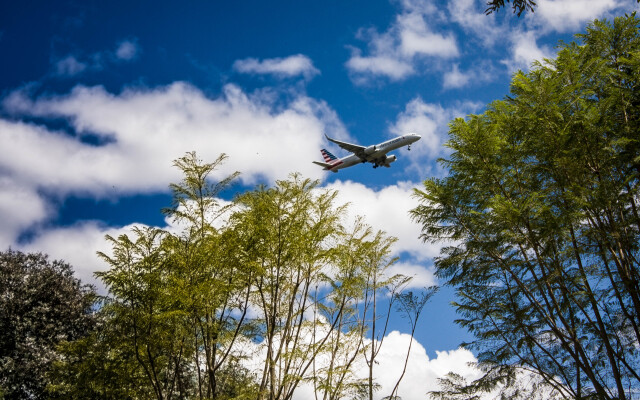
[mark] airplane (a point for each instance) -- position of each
(375, 154)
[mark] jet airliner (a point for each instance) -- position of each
(375, 154)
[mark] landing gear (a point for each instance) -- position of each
(409, 147)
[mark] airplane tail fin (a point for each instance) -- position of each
(330, 160)
(328, 157)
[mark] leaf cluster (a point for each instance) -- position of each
(540, 213)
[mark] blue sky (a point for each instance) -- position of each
(97, 99)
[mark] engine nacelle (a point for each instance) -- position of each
(390, 158)
(370, 150)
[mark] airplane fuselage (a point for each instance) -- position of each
(375, 154)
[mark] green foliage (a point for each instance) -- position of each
(41, 306)
(272, 279)
(540, 209)
(519, 6)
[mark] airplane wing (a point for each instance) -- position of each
(354, 148)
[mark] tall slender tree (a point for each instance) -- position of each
(540, 210)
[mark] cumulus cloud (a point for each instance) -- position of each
(69, 66)
(478, 73)
(139, 132)
(388, 209)
(20, 208)
(431, 122)
(422, 372)
(127, 50)
(410, 40)
(146, 129)
(78, 245)
(470, 15)
(297, 65)
(455, 78)
(364, 67)
(570, 15)
(525, 50)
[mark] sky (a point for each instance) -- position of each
(97, 98)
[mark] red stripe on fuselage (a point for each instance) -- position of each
(333, 165)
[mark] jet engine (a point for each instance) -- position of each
(370, 150)
(390, 158)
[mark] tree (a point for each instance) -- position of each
(519, 6)
(146, 312)
(175, 294)
(540, 210)
(209, 278)
(98, 366)
(316, 286)
(287, 232)
(41, 306)
(273, 278)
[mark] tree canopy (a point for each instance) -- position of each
(249, 299)
(519, 6)
(41, 306)
(540, 211)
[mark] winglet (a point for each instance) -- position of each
(329, 139)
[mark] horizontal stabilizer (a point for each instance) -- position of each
(325, 165)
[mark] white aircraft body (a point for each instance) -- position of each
(375, 154)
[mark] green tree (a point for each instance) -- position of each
(315, 288)
(287, 230)
(540, 212)
(518, 6)
(344, 308)
(176, 296)
(209, 277)
(41, 306)
(146, 312)
(98, 366)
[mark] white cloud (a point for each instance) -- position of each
(388, 210)
(20, 208)
(364, 67)
(282, 67)
(143, 130)
(426, 119)
(421, 277)
(69, 66)
(72, 65)
(569, 15)
(473, 20)
(421, 375)
(431, 121)
(147, 129)
(127, 50)
(525, 50)
(455, 78)
(417, 40)
(78, 245)
(408, 43)
(478, 73)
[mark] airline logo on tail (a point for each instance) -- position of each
(328, 157)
